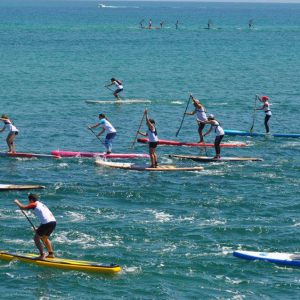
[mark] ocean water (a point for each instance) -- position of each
(173, 233)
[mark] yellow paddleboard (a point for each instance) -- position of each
(60, 263)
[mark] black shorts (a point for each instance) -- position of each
(153, 145)
(46, 229)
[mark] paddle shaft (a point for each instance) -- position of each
(135, 138)
(187, 105)
(96, 135)
(28, 220)
(254, 113)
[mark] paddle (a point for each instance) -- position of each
(254, 113)
(187, 105)
(135, 138)
(96, 135)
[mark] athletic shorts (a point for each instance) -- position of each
(153, 145)
(46, 229)
(118, 91)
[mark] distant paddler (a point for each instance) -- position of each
(119, 86)
(47, 226)
(150, 24)
(153, 139)
(12, 133)
(141, 23)
(215, 125)
(109, 128)
(176, 24)
(161, 24)
(200, 114)
(250, 24)
(209, 24)
(266, 109)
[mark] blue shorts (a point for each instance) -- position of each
(118, 91)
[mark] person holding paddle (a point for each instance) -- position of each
(47, 226)
(153, 139)
(267, 110)
(201, 116)
(106, 126)
(12, 133)
(215, 125)
(119, 86)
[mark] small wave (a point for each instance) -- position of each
(132, 270)
(101, 5)
(177, 102)
(161, 216)
(75, 217)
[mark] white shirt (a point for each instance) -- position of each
(43, 213)
(107, 126)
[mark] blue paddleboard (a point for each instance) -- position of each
(247, 133)
(283, 259)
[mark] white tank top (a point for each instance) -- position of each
(107, 126)
(43, 213)
(118, 85)
(267, 109)
(218, 129)
(152, 136)
(201, 115)
(10, 127)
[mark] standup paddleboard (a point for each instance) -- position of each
(211, 159)
(176, 143)
(63, 153)
(285, 259)
(125, 101)
(28, 155)
(60, 263)
(247, 133)
(132, 166)
(11, 187)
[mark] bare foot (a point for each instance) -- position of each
(50, 255)
(41, 257)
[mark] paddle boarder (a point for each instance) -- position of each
(150, 24)
(106, 126)
(153, 139)
(47, 226)
(176, 24)
(215, 125)
(201, 116)
(12, 133)
(119, 86)
(267, 110)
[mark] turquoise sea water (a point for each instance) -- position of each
(173, 233)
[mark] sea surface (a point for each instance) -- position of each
(172, 233)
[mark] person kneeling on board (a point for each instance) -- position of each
(153, 139)
(13, 132)
(218, 131)
(119, 86)
(267, 110)
(111, 132)
(48, 224)
(201, 116)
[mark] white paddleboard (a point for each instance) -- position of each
(10, 187)
(136, 167)
(125, 101)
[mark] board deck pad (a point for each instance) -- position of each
(132, 166)
(123, 101)
(11, 187)
(212, 159)
(188, 144)
(60, 263)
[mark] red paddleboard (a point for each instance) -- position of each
(176, 143)
(64, 153)
(29, 155)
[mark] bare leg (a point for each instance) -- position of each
(48, 245)
(37, 241)
(10, 143)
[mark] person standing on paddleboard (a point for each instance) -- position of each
(111, 132)
(47, 226)
(119, 86)
(215, 125)
(153, 139)
(201, 116)
(267, 110)
(12, 133)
